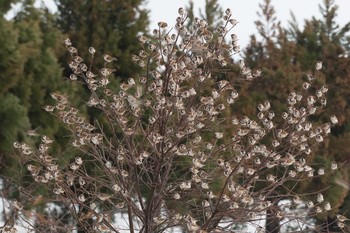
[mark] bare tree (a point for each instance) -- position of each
(170, 153)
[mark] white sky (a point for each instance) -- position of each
(243, 10)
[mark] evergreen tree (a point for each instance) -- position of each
(13, 117)
(274, 53)
(287, 53)
(13, 114)
(212, 13)
(190, 13)
(268, 23)
(324, 39)
(11, 61)
(109, 26)
(30, 45)
(39, 43)
(30, 72)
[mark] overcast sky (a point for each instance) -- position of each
(243, 10)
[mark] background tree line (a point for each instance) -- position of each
(33, 64)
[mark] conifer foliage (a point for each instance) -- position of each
(29, 72)
(285, 56)
(110, 26)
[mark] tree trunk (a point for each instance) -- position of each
(272, 223)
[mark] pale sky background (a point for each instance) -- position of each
(243, 10)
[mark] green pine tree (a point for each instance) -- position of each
(212, 14)
(286, 55)
(110, 27)
(41, 75)
(13, 114)
(324, 39)
(30, 71)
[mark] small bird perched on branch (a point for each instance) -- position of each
(109, 58)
